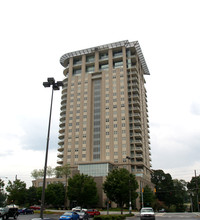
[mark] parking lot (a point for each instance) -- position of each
(36, 215)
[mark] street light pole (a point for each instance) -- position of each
(130, 208)
(55, 86)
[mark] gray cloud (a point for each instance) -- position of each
(36, 134)
(195, 108)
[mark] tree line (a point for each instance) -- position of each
(119, 187)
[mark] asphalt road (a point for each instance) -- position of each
(159, 216)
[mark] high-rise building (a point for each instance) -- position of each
(104, 116)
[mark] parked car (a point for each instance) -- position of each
(25, 211)
(69, 216)
(10, 211)
(77, 208)
(35, 207)
(93, 212)
(2, 212)
(147, 213)
(83, 215)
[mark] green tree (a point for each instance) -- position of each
(40, 173)
(63, 171)
(193, 188)
(55, 194)
(82, 189)
(35, 174)
(17, 192)
(164, 186)
(2, 193)
(32, 197)
(148, 196)
(119, 183)
(180, 194)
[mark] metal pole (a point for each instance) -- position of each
(130, 208)
(46, 157)
(141, 189)
(197, 188)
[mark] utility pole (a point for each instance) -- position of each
(197, 188)
(141, 191)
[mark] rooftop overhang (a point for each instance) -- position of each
(64, 60)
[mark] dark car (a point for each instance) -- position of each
(69, 216)
(83, 215)
(11, 211)
(25, 211)
(93, 212)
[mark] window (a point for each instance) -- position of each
(77, 60)
(89, 58)
(103, 55)
(76, 71)
(117, 53)
(103, 66)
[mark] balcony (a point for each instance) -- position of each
(61, 142)
(137, 116)
(60, 161)
(62, 125)
(136, 103)
(63, 118)
(137, 135)
(136, 109)
(64, 97)
(138, 142)
(136, 90)
(137, 128)
(135, 85)
(137, 122)
(63, 107)
(61, 149)
(64, 91)
(136, 97)
(63, 102)
(60, 155)
(62, 136)
(62, 130)
(132, 67)
(62, 113)
(138, 149)
(139, 170)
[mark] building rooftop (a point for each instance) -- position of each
(64, 59)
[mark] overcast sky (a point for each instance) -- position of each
(35, 34)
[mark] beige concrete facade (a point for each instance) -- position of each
(104, 112)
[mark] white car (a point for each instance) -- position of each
(78, 209)
(147, 213)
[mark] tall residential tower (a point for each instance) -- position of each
(104, 115)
